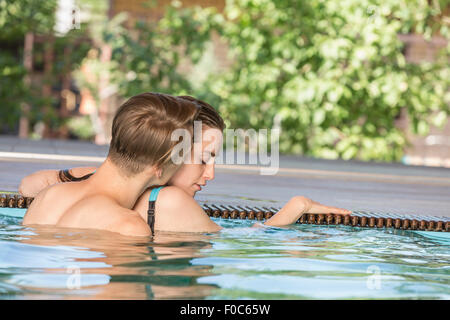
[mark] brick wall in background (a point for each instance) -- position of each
(433, 149)
(139, 8)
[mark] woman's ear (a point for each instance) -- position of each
(158, 172)
(154, 171)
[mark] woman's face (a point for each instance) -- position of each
(192, 177)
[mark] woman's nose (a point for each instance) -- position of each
(209, 172)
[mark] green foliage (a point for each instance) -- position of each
(16, 18)
(331, 73)
(149, 57)
(12, 89)
(14, 93)
(128, 57)
(81, 127)
(19, 16)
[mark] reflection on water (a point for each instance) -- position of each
(304, 262)
(240, 262)
(47, 262)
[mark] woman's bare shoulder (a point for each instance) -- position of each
(128, 223)
(174, 191)
(179, 212)
(49, 204)
(175, 198)
(103, 212)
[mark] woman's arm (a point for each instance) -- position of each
(34, 183)
(296, 207)
(178, 212)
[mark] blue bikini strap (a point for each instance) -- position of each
(154, 194)
(151, 208)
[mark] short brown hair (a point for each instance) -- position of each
(142, 129)
(207, 114)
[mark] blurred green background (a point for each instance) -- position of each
(340, 78)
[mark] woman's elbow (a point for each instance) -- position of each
(24, 189)
(301, 201)
(30, 186)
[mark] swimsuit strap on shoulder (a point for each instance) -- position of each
(151, 208)
(154, 194)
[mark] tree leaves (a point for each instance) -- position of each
(336, 65)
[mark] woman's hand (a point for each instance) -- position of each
(296, 207)
(320, 208)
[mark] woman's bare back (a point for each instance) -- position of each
(83, 209)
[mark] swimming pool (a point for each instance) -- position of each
(240, 262)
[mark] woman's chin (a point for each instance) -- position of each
(190, 191)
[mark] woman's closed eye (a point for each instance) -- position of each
(202, 161)
(208, 158)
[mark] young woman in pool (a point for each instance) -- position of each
(175, 208)
(139, 157)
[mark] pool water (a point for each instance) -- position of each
(240, 262)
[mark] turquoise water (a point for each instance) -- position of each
(240, 262)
